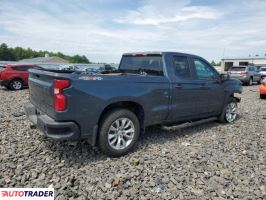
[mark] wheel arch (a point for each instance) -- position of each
(16, 78)
(228, 96)
(134, 107)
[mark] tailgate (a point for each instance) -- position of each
(41, 89)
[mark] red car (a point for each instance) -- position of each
(15, 76)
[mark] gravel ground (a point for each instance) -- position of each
(210, 161)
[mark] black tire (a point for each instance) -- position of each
(105, 126)
(16, 84)
(260, 81)
(263, 96)
(250, 81)
(222, 117)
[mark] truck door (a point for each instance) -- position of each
(185, 90)
(210, 94)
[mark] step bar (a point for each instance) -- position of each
(188, 124)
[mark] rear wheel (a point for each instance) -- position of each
(16, 84)
(119, 132)
(250, 81)
(229, 114)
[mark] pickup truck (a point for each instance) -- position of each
(111, 109)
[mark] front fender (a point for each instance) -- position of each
(232, 87)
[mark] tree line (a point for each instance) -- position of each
(215, 64)
(19, 53)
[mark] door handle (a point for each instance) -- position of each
(204, 88)
(178, 86)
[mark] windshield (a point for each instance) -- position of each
(150, 64)
(263, 69)
(237, 69)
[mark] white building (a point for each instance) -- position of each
(254, 60)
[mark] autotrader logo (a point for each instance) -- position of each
(27, 193)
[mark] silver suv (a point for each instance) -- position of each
(262, 72)
(246, 74)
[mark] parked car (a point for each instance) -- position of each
(262, 89)
(91, 70)
(97, 68)
(262, 72)
(106, 68)
(246, 74)
(112, 110)
(15, 77)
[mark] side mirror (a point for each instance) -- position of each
(224, 77)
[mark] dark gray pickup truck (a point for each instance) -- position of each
(111, 109)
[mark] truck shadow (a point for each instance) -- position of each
(81, 153)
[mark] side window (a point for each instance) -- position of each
(203, 70)
(21, 68)
(181, 67)
(36, 67)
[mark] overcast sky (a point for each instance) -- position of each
(104, 29)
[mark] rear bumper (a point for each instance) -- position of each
(244, 79)
(4, 83)
(50, 127)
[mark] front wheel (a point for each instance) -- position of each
(229, 114)
(119, 131)
(16, 84)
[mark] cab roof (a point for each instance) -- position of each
(155, 53)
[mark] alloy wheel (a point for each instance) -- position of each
(121, 133)
(17, 85)
(230, 112)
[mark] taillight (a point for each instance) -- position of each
(243, 72)
(60, 100)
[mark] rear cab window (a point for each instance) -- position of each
(142, 64)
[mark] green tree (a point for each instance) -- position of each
(18, 53)
(6, 53)
(79, 59)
